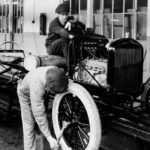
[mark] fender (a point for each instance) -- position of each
(146, 89)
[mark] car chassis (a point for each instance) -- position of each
(105, 90)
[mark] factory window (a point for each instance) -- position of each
(116, 18)
(97, 16)
(11, 16)
(107, 19)
(122, 18)
(74, 7)
(129, 19)
(141, 19)
(4, 11)
(79, 9)
(83, 11)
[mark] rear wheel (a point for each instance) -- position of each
(77, 107)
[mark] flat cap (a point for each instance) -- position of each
(62, 8)
(56, 80)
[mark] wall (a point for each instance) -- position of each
(32, 41)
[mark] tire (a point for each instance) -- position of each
(77, 107)
(146, 95)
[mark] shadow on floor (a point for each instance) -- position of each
(10, 135)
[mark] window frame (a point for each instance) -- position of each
(101, 14)
(13, 18)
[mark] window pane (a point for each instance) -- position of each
(107, 6)
(142, 5)
(96, 6)
(128, 25)
(97, 16)
(74, 6)
(118, 6)
(96, 23)
(141, 26)
(0, 9)
(117, 25)
(83, 11)
(83, 4)
(82, 17)
(129, 6)
(107, 25)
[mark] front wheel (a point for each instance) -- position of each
(77, 107)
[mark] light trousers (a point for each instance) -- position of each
(32, 140)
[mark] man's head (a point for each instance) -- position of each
(56, 80)
(63, 11)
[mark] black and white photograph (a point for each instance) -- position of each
(74, 74)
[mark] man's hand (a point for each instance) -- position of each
(71, 36)
(53, 143)
(68, 26)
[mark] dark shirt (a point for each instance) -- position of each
(56, 31)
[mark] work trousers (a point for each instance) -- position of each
(32, 139)
(59, 47)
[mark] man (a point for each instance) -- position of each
(31, 92)
(57, 42)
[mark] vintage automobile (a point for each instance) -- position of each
(11, 70)
(106, 83)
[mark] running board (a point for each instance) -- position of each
(132, 128)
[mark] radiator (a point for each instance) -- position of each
(125, 66)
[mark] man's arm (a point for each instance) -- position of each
(58, 29)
